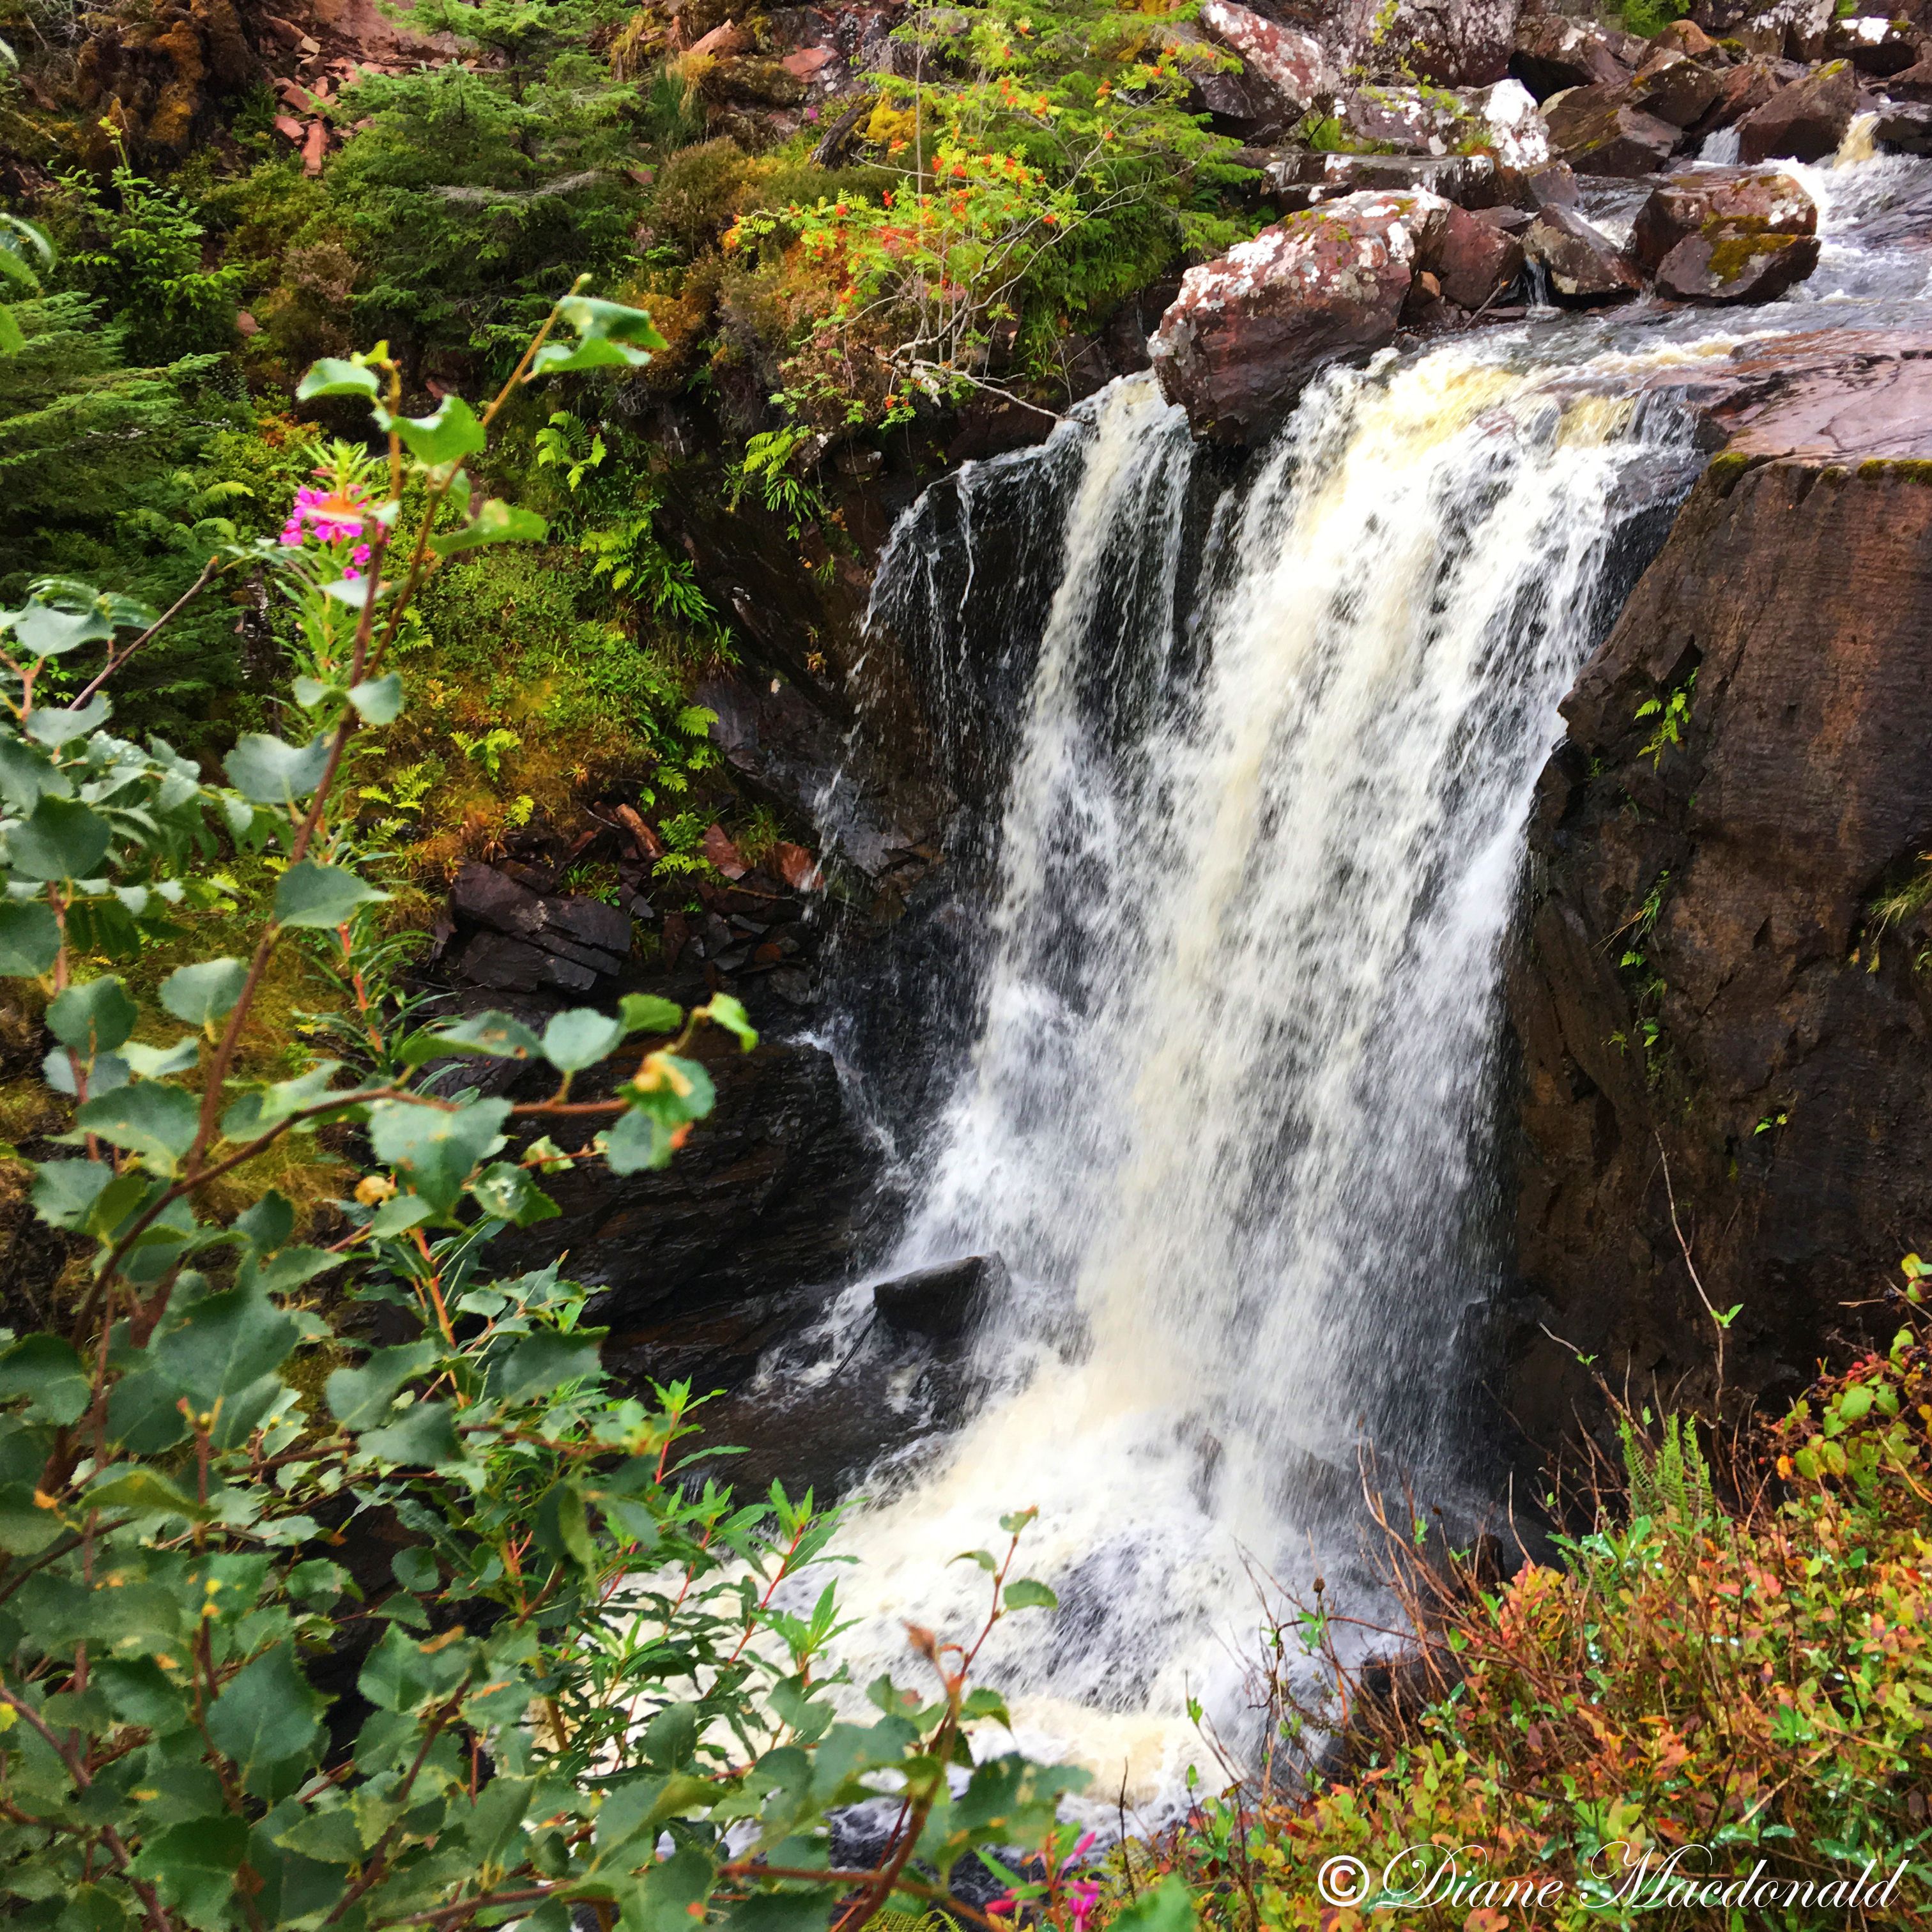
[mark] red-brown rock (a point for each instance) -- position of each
(1601, 131)
(1719, 203)
(1735, 268)
(1250, 329)
(1474, 260)
(1453, 43)
(1676, 89)
(1742, 90)
(1584, 266)
(1804, 122)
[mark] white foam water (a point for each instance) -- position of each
(1224, 1115)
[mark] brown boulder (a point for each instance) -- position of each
(1735, 268)
(1676, 89)
(1474, 260)
(1601, 131)
(1914, 84)
(1686, 37)
(1250, 329)
(1553, 53)
(1805, 122)
(1584, 266)
(1719, 203)
(1742, 90)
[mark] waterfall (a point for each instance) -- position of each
(1225, 1108)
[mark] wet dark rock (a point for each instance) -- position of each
(942, 1302)
(1905, 127)
(1553, 53)
(706, 1262)
(531, 941)
(1250, 329)
(1603, 131)
(1804, 122)
(1785, 1089)
(1914, 84)
(1876, 46)
(1719, 203)
(1585, 267)
(1303, 178)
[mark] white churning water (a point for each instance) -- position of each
(1223, 1116)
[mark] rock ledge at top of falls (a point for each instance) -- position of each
(1251, 329)
(1785, 1085)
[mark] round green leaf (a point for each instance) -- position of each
(323, 896)
(94, 1017)
(198, 994)
(62, 839)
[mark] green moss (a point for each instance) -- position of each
(1902, 468)
(1734, 255)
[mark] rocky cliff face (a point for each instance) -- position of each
(1723, 993)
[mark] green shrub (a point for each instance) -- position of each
(578, 1671)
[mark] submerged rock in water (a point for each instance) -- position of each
(943, 1302)
(1250, 329)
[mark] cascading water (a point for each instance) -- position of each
(1223, 1112)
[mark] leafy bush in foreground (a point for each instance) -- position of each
(579, 1671)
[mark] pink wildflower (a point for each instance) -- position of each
(360, 554)
(1082, 1896)
(331, 514)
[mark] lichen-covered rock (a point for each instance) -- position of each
(1302, 177)
(1294, 64)
(1602, 130)
(1454, 43)
(1553, 53)
(1731, 267)
(1718, 202)
(1804, 122)
(1585, 266)
(1250, 329)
